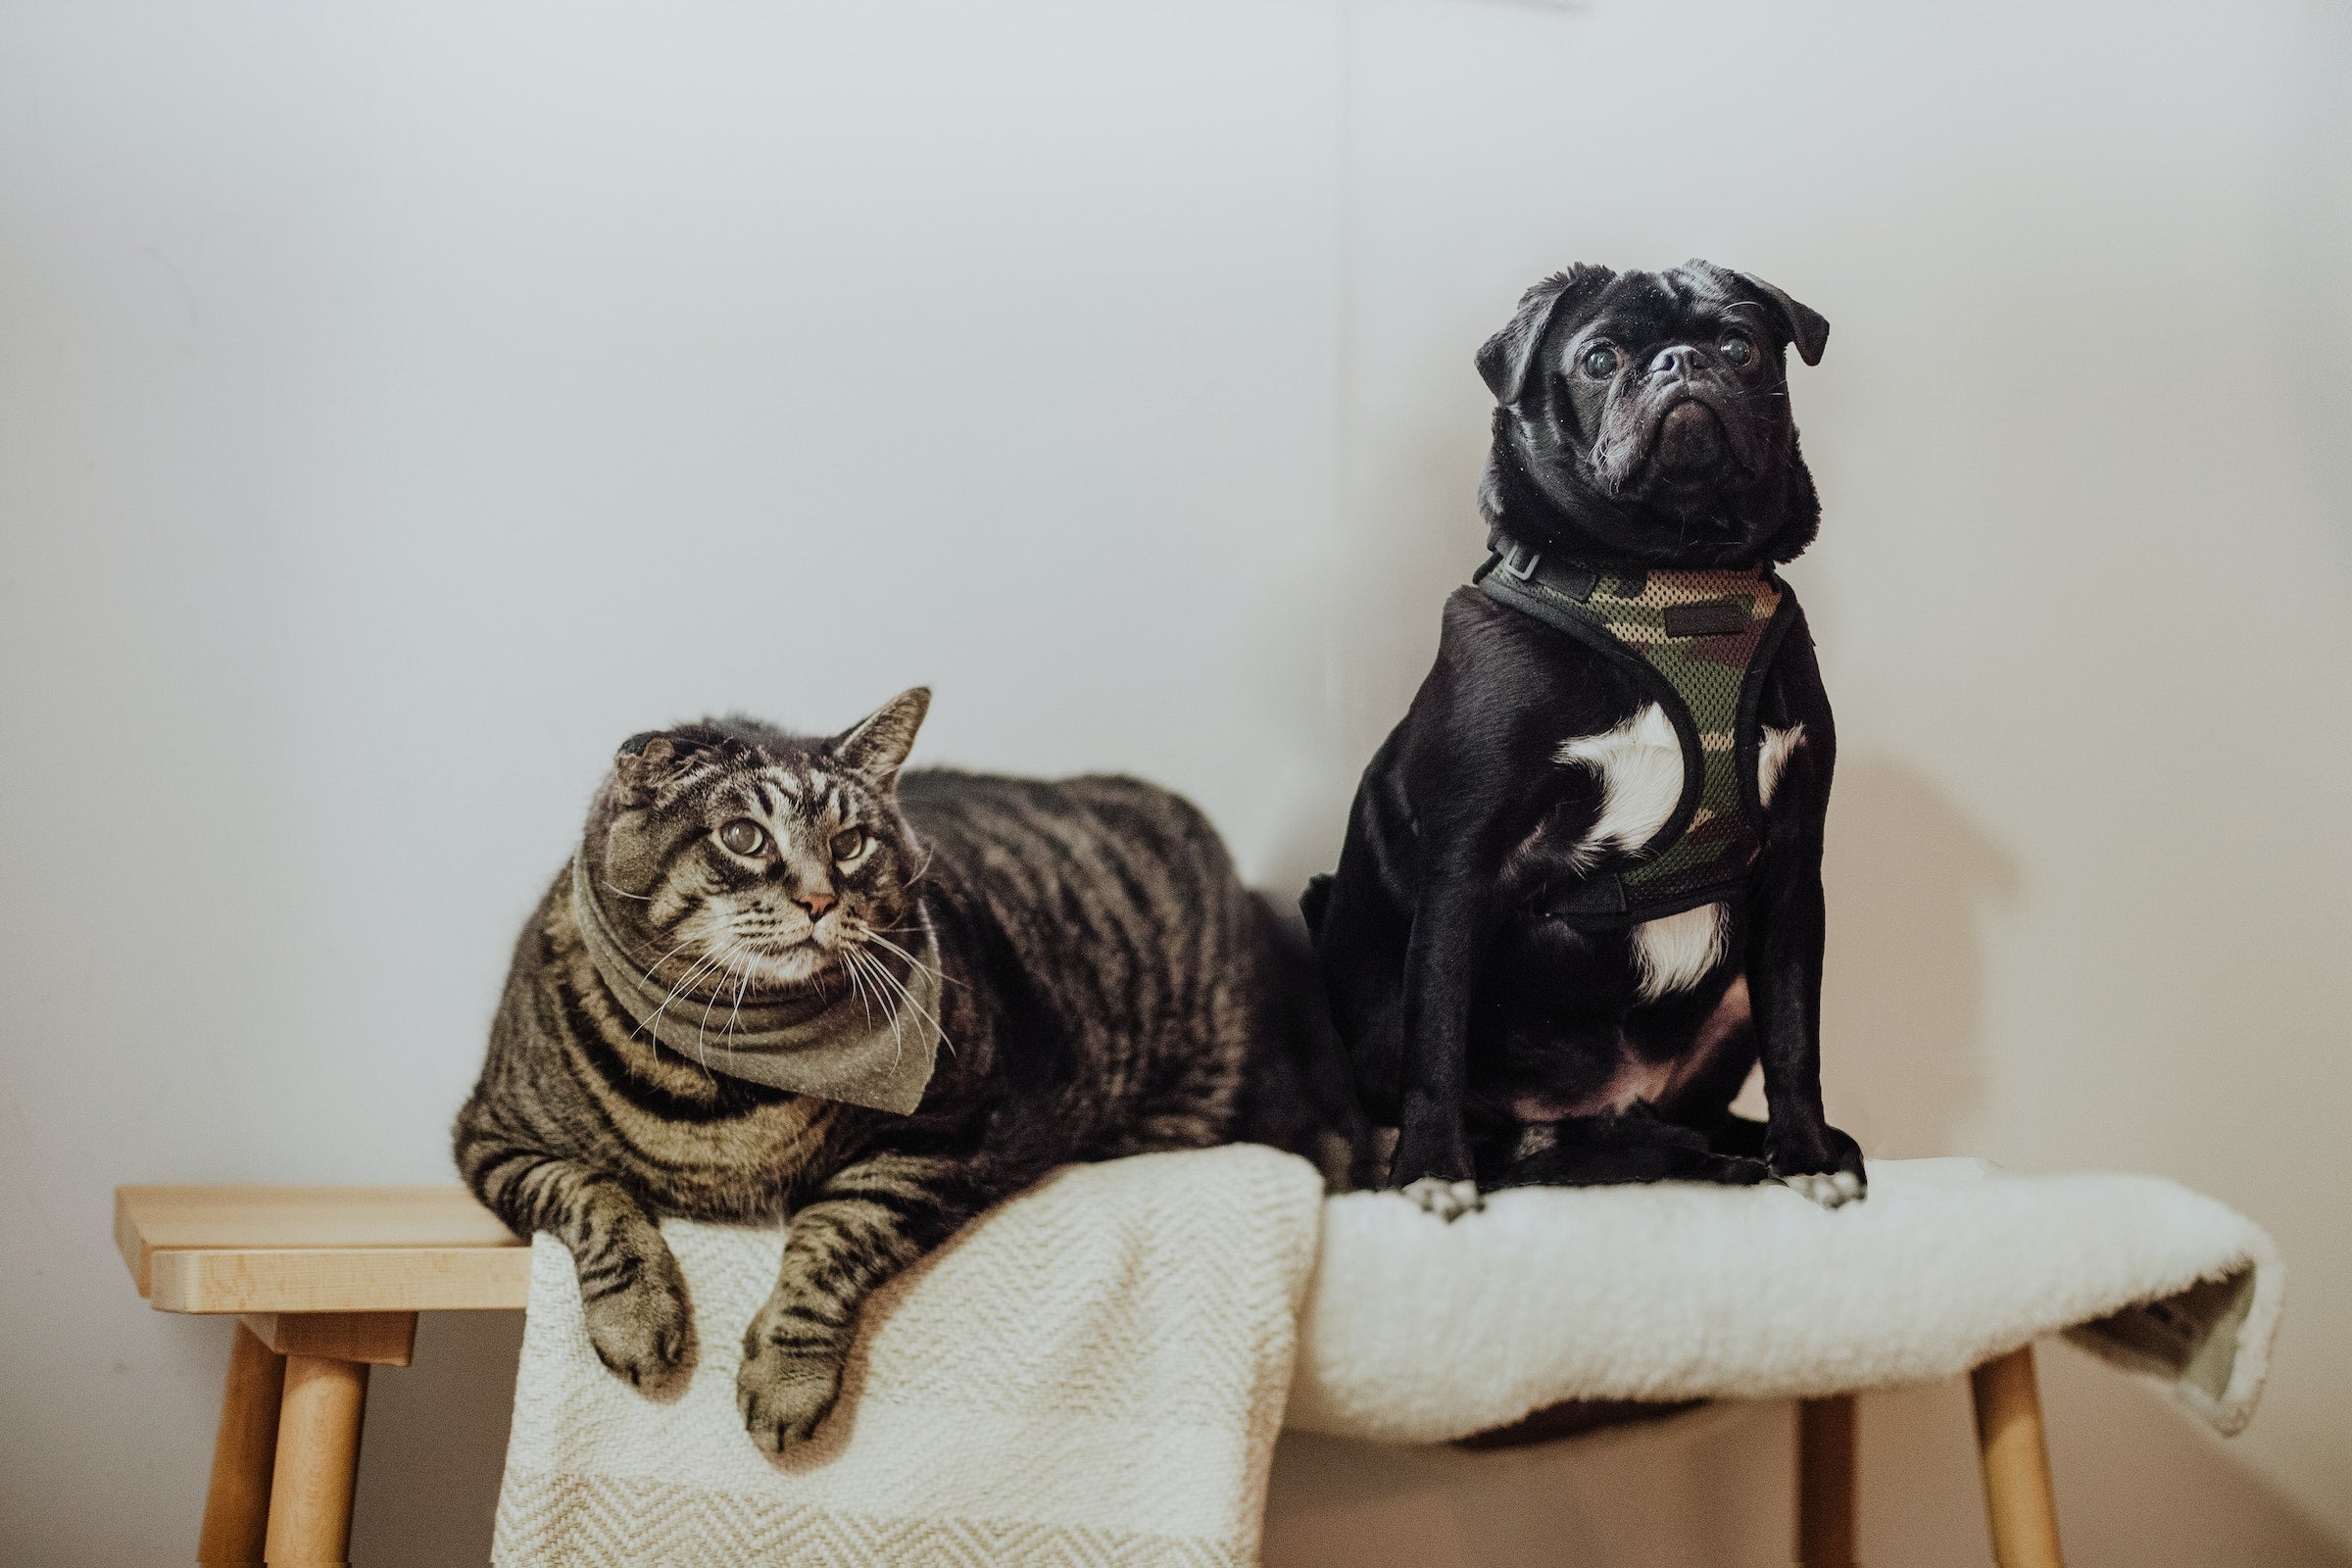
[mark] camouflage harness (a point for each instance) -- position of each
(1699, 642)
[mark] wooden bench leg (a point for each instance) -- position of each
(2018, 1497)
(237, 1506)
(317, 1462)
(1824, 1483)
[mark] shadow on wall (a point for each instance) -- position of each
(436, 1443)
(1908, 879)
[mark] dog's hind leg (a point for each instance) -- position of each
(1739, 1135)
(1604, 1150)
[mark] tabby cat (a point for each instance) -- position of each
(778, 978)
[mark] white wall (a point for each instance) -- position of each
(397, 407)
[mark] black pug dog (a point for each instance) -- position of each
(1581, 890)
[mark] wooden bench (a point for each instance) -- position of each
(326, 1282)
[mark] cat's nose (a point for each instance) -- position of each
(816, 903)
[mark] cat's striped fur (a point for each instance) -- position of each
(1109, 989)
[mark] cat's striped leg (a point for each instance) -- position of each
(864, 1225)
(631, 1291)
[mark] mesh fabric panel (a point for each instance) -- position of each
(1699, 630)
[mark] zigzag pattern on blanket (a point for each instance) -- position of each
(1093, 1375)
(597, 1520)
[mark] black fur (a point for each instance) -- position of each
(1494, 1036)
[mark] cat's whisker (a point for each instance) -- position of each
(652, 1025)
(857, 988)
(911, 961)
(707, 961)
(921, 1011)
(863, 962)
(648, 1024)
(666, 958)
(741, 985)
(728, 955)
(898, 1011)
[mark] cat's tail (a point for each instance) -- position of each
(1313, 902)
(1300, 1094)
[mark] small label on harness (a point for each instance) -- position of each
(1711, 618)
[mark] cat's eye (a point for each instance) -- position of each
(743, 836)
(1737, 348)
(849, 844)
(1600, 361)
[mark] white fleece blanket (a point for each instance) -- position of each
(1420, 1331)
(1095, 1374)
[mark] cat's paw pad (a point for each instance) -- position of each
(784, 1393)
(643, 1333)
(1830, 1189)
(1448, 1199)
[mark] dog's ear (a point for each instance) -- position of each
(1806, 327)
(1505, 359)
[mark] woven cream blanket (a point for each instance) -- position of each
(1094, 1376)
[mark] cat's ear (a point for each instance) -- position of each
(643, 760)
(877, 745)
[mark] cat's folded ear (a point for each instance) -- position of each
(644, 760)
(877, 745)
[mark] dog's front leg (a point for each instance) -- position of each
(1431, 1163)
(1784, 981)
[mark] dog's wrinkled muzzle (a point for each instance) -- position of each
(1691, 439)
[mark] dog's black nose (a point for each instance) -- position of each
(1680, 360)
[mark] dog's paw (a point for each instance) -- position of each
(783, 1393)
(1434, 1194)
(1826, 1166)
(644, 1332)
(1830, 1189)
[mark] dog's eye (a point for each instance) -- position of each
(1737, 348)
(849, 844)
(1600, 361)
(743, 836)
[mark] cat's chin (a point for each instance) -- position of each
(799, 970)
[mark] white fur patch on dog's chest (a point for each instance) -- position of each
(1640, 768)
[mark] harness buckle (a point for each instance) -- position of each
(1511, 562)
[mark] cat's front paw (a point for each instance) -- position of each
(783, 1393)
(1825, 1165)
(644, 1331)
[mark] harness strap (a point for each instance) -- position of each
(1699, 642)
